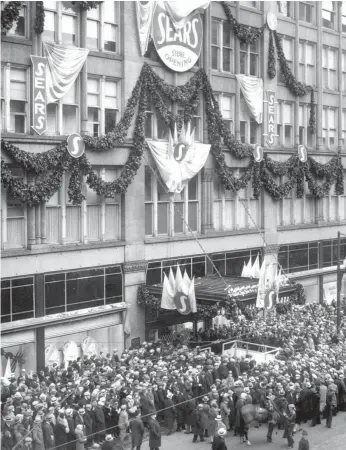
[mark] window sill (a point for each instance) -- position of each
(251, 9)
(330, 91)
(300, 226)
(24, 138)
(284, 18)
(313, 272)
(307, 24)
(16, 40)
(209, 234)
(59, 248)
(106, 55)
(328, 30)
(221, 73)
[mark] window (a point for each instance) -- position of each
(330, 252)
(86, 288)
(226, 105)
(307, 63)
(102, 28)
(287, 46)
(17, 299)
(299, 257)
(306, 11)
(343, 17)
(155, 126)
(195, 122)
(248, 126)
(61, 23)
(344, 128)
(285, 124)
(222, 46)
(229, 208)
(195, 266)
(285, 8)
(15, 105)
(232, 263)
(306, 137)
(329, 128)
(328, 14)
(166, 214)
(249, 59)
(343, 73)
(13, 214)
(63, 115)
(19, 28)
(102, 105)
(330, 76)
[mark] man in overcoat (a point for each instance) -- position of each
(137, 431)
(154, 433)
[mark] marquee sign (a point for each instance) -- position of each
(39, 111)
(179, 48)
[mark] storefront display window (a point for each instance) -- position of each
(17, 299)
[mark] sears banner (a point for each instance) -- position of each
(179, 48)
(39, 81)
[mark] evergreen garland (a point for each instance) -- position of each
(9, 14)
(87, 5)
(271, 57)
(40, 17)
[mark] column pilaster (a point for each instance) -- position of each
(207, 200)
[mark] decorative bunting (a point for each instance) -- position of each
(144, 13)
(252, 89)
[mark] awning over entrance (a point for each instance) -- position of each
(213, 289)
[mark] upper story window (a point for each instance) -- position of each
(249, 59)
(285, 8)
(249, 128)
(287, 46)
(226, 105)
(232, 262)
(329, 128)
(222, 46)
(61, 23)
(306, 136)
(17, 299)
(299, 257)
(285, 124)
(306, 11)
(102, 105)
(344, 128)
(329, 14)
(307, 63)
(102, 27)
(155, 126)
(14, 99)
(330, 75)
(196, 120)
(343, 17)
(168, 214)
(63, 115)
(20, 28)
(343, 72)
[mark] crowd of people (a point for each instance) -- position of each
(97, 402)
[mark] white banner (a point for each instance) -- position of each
(179, 161)
(179, 293)
(64, 65)
(252, 89)
(145, 11)
(179, 10)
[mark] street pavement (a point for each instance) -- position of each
(320, 438)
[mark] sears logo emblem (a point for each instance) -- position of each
(269, 299)
(182, 303)
(75, 145)
(258, 153)
(180, 151)
(302, 153)
(178, 48)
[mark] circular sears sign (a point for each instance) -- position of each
(75, 145)
(272, 21)
(179, 48)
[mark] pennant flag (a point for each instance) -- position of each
(256, 268)
(145, 11)
(167, 293)
(277, 285)
(249, 269)
(8, 370)
(127, 326)
(261, 287)
(64, 65)
(243, 272)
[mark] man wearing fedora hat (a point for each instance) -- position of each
(219, 441)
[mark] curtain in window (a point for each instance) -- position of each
(252, 89)
(64, 65)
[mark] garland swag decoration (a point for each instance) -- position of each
(9, 14)
(271, 58)
(40, 17)
(87, 5)
(49, 167)
(246, 34)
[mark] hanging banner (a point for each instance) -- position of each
(179, 293)
(64, 65)
(271, 118)
(145, 11)
(179, 160)
(179, 11)
(252, 89)
(178, 48)
(39, 84)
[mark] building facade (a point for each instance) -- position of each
(69, 272)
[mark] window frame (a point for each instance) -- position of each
(304, 65)
(290, 62)
(27, 25)
(101, 21)
(290, 9)
(304, 123)
(327, 129)
(59, 12)
(171, 209)
(333, 16)
(281, 141)
(11, 287)
(248, 52)
(219, 96)
(327, 70)
(310, 5)
(221, 47)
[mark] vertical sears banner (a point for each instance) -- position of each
(179, 48)
(39, 83)
(271, 118)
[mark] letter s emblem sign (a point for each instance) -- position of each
(258, 153)
(75, 145)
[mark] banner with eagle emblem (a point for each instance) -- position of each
(179, 160)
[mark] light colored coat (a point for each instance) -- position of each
(80, 439)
